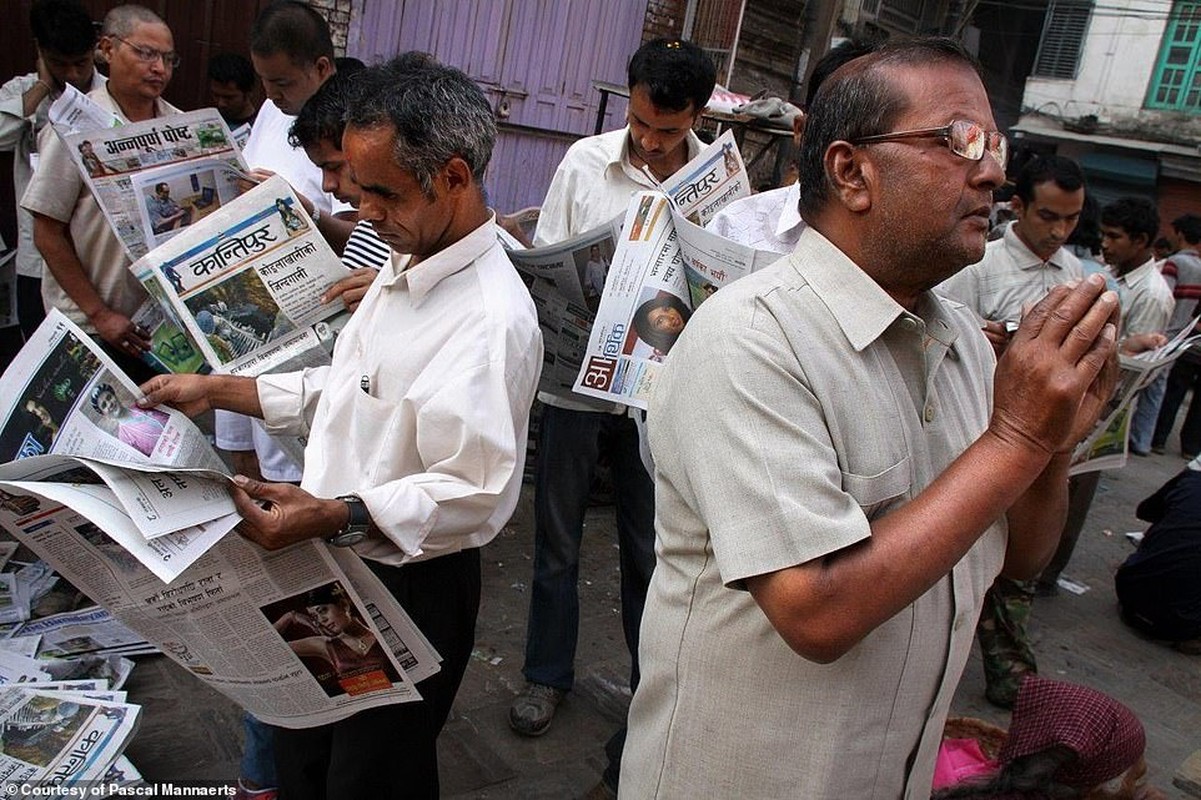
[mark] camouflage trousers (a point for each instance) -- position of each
(1003, 642)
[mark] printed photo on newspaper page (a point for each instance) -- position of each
(566, 281)
(193, 154)
(246, 282)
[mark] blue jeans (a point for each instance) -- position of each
(569, 443)
(1146, 412)
(258, 753)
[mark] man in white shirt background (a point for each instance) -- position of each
(771, 220)
(670, 82)
(420, 447)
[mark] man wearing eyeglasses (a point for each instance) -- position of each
(87, 270)
(866, 469)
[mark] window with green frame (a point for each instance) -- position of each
(1176, 84)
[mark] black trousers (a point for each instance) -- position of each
(391, 752)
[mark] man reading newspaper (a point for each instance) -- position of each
(87, 275)
(415, 453)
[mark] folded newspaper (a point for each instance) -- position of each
(60, 738)
(568, 279)
(246, 282)
(1108, 446)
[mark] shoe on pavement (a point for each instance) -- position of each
(1158, 449)
(532, 711)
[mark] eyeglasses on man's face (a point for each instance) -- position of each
(149, 55)
(964, 139)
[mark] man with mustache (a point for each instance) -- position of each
(866, 467)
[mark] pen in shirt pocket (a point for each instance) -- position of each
(365, 384)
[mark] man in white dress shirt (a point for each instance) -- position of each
(771, 220)
(421, 446)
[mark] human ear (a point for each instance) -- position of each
(457, 175)
(850, 174)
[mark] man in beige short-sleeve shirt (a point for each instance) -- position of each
(87, 271)
(831, 514)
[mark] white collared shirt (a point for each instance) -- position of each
(768, 221)
(592, 185)
(424, 411)
(1146, 300)
(1008, 277)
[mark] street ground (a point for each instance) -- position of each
(191, 733)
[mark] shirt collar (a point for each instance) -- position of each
(790, 214)
(860, 306)
(1140, 273)
(425, 275)
(617, 153)
(1026, 258)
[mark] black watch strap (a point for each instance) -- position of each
(357, 523)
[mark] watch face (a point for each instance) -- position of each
(347, 539)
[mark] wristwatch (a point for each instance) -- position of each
(357, 524)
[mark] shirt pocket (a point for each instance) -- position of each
(371, 427)
(877, 493)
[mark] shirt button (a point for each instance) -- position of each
(929, 413)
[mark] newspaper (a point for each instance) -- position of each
(664, 266)
(566, 281)
(1107, 447)
(73, 435)
(155, 178)
(60, 739)
(74, 112)
(256, 626)
(709, 182)
(246, 283)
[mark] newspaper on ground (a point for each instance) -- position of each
(156, 178)
(1107, 447)
(60, 739)
(664, 266)
(246, 284)
(14, 599)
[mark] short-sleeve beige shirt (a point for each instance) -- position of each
(59, 191)
(799, 404)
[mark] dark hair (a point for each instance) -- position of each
(1189, 227)
(1064, 172)
(1087, 233)
(1031, 777)
(641, 321)
(323, 116)
(98, 391)
(161, 185)
(349, 64)
(676, 74)
(860, 99)
(232, 68)
(1135, 215)
(828, 64)
(62, 27)
(330, 594)
(294, 29)
(438, 113)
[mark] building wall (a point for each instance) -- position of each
(1116, 67)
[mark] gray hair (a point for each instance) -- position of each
(861, 99)
(123, 19)
(438, 112)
